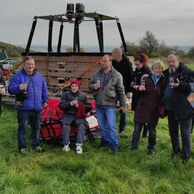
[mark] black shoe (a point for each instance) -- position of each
(115, 149)
(134, 148)
(173, 154)
(185, 161)
(151, 151)
(121, 130)
(144, 135)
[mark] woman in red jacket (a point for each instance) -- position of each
(147, 108)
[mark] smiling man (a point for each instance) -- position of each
(31, 93)
(107, 85)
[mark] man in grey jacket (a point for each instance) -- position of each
(107, 85)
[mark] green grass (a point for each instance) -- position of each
(96, 171)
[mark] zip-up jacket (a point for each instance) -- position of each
(109, 94)
(37, 93)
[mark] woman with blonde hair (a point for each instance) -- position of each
(147, 108)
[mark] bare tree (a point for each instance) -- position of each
(149, 43)
(132, 48)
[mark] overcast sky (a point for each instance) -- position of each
(170, 20)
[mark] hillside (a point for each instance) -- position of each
(12, 50)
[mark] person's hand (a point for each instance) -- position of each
(129, 95)
(123, 109)
(142, 88)
(175, 84)
(45, 105)
(74, 102)
(23, 86)
(136, 87)
(96, 86)
(2, 90)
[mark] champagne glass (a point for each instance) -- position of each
(133, 83)
(171, 81)
(143, 82)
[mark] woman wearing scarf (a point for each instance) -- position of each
(147, 108)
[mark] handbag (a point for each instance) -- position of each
(161, 109)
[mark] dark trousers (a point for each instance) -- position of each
(137, 132)
(145, 130)
(122, 122)
(185, 129)
(25, 118)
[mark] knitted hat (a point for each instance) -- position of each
(77, 82)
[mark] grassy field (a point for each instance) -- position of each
(96, 171)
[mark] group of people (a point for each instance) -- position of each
(151, 90)
(155, 92)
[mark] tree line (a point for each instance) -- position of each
(150, 45)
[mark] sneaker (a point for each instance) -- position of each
(22, 150)
(66, 148)
(79, 149)
(151, 152)
(38, 149)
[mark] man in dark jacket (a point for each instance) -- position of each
(177, 82)
(31, 93)
(122, 64)
(2, 88)
(142, 69)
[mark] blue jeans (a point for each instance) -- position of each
(107, 123)
(25, 118)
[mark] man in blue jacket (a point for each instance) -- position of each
(30, 89)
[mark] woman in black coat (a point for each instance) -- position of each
(147, 108)
(142, 69)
